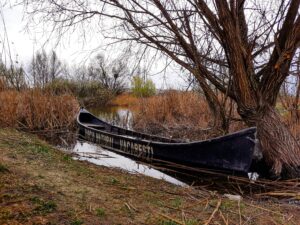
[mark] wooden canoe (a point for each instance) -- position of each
(232, 152)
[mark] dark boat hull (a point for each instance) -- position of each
(234, 152)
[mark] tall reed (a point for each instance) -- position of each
(36, 110)
(3, 84)
(186, 115)
(175, 114)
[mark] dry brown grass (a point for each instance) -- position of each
(176, 114)
(186, 115)
(175, 108)
(293, 125)
(2, 84)
(125, 99)
(290, 116)
(37, 110)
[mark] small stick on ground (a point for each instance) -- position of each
(267, 210)
(222, 216)
(213, 213)
(240, 215)
(172, 219)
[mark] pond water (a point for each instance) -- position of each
(99, 156)
(93, 153)
(118, 116)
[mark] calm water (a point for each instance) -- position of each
(118, 116)
(99, 156)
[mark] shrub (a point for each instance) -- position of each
(143, 88)
(62, 86)
(89, 93)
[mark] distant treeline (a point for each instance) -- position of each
(94, 84)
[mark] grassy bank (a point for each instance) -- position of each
(41, 185)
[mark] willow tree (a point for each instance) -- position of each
(250, 44)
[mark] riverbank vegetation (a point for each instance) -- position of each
(179, 114)
(37, 110)
(186, 115)
(88, 93)
(42, 185)
(142, 87)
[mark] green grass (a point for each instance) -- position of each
(44, 207)
(192, 222)
(177, 202)
(67, 158)
(39, 149)
(76, 222)
(3, 169)
(100, 212)
(113, 180)
(167, 222)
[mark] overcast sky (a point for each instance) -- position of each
(23, 42)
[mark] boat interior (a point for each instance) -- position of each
(89, 120)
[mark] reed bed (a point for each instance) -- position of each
(292, 123)
(3, 85)
(186, 115)
(35, 110)
(175, 114)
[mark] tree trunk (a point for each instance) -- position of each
(280, 149)
(220, 121)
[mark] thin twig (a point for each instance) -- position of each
(240, 215)
(267, 210)
(213, 213)
(223, 218)
(172, 219)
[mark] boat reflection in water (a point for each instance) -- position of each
(99, 156)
